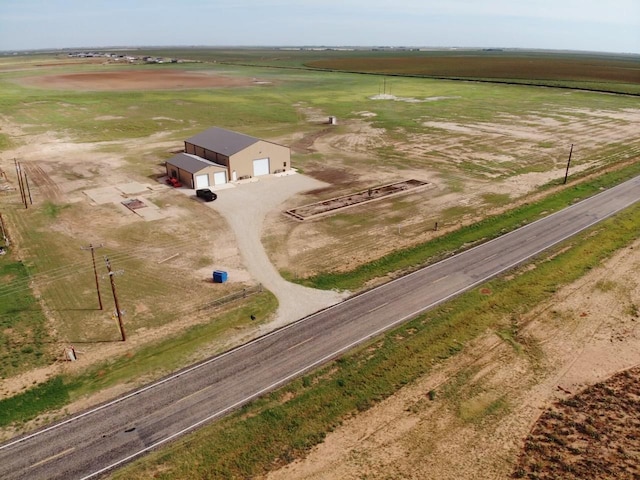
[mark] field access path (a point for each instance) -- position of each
(245, 208)
(98, 440)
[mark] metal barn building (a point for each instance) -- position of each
(217, 156)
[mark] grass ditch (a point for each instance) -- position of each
(150, 362)
(48, 395)
(467, 236)
(23, 333)
(285, 424)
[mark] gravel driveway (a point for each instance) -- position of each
(245, 207)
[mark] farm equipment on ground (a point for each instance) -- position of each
(174, 182)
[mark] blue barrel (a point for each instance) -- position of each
(219, 276)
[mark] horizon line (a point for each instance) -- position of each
(307, 46)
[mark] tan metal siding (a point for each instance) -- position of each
(210, 171)
(278, 155)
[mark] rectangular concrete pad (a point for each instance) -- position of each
(132, 188)
(149, 214)
(104, 195)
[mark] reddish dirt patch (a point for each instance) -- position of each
(595, 434)
(305, 144)
(135, 80)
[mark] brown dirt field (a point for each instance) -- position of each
(466, 163)
(135, 80)
(489, 397)
(498, 66)
(592, 435)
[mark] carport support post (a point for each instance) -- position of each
(568, 163)
(115, 299)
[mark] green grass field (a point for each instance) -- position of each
(23, 329)
(416, 140)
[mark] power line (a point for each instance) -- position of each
(72, 269)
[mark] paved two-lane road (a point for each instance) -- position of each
(98, 440)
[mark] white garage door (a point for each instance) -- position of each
(219, 178)
(261, 167)
(202, 181)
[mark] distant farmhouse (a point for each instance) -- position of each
(217, 156)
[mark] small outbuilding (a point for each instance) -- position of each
(217, 156)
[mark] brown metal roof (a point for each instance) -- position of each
(191, 163)
(222, 141)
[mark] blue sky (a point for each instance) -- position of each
(596, 25)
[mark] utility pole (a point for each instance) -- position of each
(19, 175)
(95, 272)
(115, 299)
(568, 163)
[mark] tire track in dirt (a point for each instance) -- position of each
(47, 188)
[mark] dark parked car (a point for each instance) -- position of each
(206, 194)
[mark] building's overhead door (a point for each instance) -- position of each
(219, 178)
(202, 181)
(261, 167)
